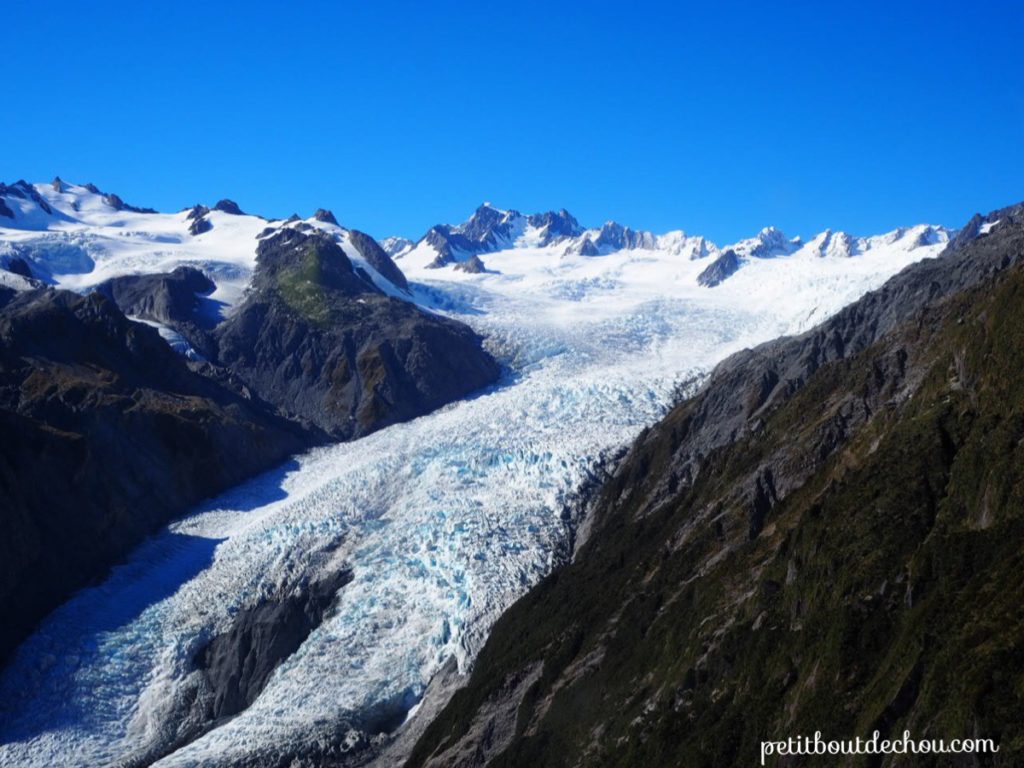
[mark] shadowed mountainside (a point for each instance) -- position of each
(106, 435)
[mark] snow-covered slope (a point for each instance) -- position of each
(75, 237)
(445, 520)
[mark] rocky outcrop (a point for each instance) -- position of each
(172, 299)
(319, 340)
(827, 534)
(199, 226)
(322, 214)
(118, 204)
(377, 258)
(18, 266)
(490, 229)
(196, 212)
(200, 222)
(233, 667)
(583, 247)
(555, 226)
(228, 206)
(614, 237)
(396, 247)
(24, 191)
(107, 434)
(718, 270)
(473, 265)
(237, 664)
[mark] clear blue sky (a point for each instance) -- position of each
(718, 118)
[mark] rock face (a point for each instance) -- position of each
(396, 247)
(829, 532)
(719, 269)
(106, 435)
(234, 666)
(171, 298)
(322, 214)
(228, 206)
(615, 237)
(320, 341)
(200, 224)
(378, 258)
(490, 229)
(583, 247)
(118, 204)
(19, 266)
(25, 191)
(473, 265)
(237, 664)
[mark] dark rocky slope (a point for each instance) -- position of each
(319, 340)
(829, 536)
(236, 665)
(106, 435)
(170, 298)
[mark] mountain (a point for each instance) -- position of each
(107, 434)
(492, 230)
(826, 537)
(317, 337)
(214, 282)
(286, 333)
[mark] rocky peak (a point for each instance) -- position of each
(473, 265)
(23, 191)
(395, 247)
(324, 215)
(378, 258)
(304, 267)
(114, 201)
(228, 206)
(719, 269)
(57, 184)
(118, 204)
(582, 246)
(615, 237)
(766, 244)
(834, 244)
(197, 212)
(556, 225)
(489, 226)
(319, 340)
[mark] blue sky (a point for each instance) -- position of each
(718, 120)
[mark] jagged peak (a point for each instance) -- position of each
(326, 216)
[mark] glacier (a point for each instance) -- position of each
(445, 520)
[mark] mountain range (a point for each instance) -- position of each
(517, 493)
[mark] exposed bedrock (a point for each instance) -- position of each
(107, 434)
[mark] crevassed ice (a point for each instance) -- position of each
(445, 520)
